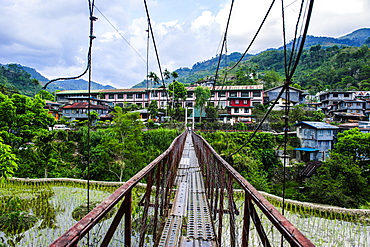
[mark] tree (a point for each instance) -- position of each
(22, 117)
(339, 181)
(153, 77)
(202, 95)
(355, 145)
(178, 93)
(8, 160)
(45, 95)
(153, 108)
(126, 147)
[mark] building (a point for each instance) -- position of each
(346, 110)
(296, 97)
(316, 138)
(239, 101)
(54, 109)
(79, 110)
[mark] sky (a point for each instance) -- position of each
(53, 36)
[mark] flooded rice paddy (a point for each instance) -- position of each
(47, 213)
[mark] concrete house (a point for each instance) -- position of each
(317, 138)
(296, 97)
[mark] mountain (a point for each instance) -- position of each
(16, 78)
(208, 67)
(202, 69)
(357, 38)
(78, 84)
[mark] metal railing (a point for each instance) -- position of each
(143, 208)
(234, 211)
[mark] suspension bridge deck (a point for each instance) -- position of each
(190, 210)
(188, 200)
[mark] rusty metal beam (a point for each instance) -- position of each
(289, 231)
(81, 228)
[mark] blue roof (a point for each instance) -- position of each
(307, 149)
(318, 125)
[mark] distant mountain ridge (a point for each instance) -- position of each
(357, 38)
(78, 84)
(202, 69)
(208, 67)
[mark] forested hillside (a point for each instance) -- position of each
(15, 78)
(327, 63)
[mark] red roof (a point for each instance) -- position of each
(83, 105)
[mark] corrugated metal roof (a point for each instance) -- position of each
(83, 105)
(318, 125)
(310, 168)
(307, 149)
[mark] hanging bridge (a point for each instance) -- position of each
(188, 196)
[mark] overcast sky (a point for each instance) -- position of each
(53, 36)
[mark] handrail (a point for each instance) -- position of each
(209, 159)
(81, 228)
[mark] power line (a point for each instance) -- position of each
(223, 43)
(155, 46)
(289, 75)
(254, 37)
(120, 34)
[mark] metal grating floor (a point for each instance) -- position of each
(190, 209)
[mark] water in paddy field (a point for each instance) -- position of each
(53, 208)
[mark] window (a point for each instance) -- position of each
(163, 94)
(236, 110)
(233, 94)
(189, 104)
(139, 105)
(212, 94)
(256, 103)
(256, 94)
(245, 94)
(146, 105)
(120, 96)
(146, 96)
(237, 102)
(222, 94)
(154, 94)
(111, 96)
(246, 110)
(245, 102)
(190, 95)
(335, 95)
(139, 96)
(222, 104)
(129, 96)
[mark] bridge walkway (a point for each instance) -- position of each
(189, 222)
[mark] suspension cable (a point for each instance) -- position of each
(254, 37)
(223, 45)
(155, 46)
(288, 81)
(120, 34)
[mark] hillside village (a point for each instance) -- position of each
(236, 104)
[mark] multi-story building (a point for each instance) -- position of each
(238, 100)
(79, 110)
(296, 96)
(317, 138)
(329, 98)
(348, 110)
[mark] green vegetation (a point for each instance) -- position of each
(14, 79)
(202, 95)
(29, 149)
(256, 161)
(342, 180)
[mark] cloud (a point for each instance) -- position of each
(53, 36)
